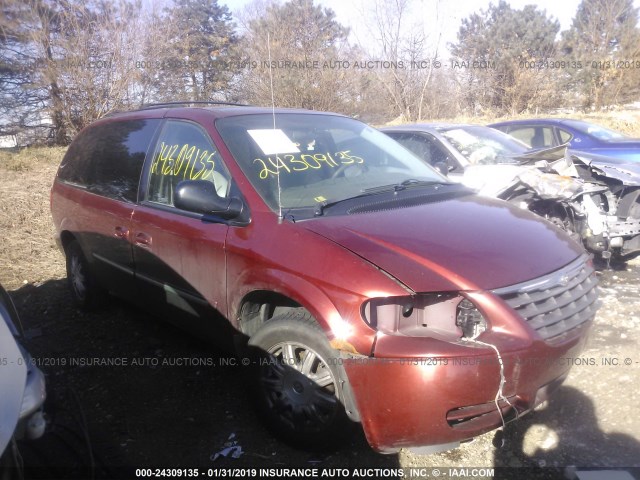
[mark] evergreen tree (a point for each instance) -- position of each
(493, 46)
(307, 47)
(605, 37)
(196, 61)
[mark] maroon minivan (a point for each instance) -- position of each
(375, 290)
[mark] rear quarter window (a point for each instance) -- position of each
(564, 136)
(107, 159)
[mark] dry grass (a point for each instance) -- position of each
(28, 253)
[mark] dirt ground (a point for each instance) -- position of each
(181, 405)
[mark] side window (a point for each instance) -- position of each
(564, 136)
(546, 137)
(425, 147)
(184, 152)
(534, 137)
(524, 134)
(415, 144)
(108, 159)
(74, 168)
(439, 154)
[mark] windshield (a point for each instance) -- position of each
(601, 133)
(310, 159)
(484, 145)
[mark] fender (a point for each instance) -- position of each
(342, 323)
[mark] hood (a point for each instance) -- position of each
(549, 154)
(624, 171)
(495, 180)
(491, 180)
(468, 243)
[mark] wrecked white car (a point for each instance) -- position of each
(617, 222)
(22, 392)
(589, 202)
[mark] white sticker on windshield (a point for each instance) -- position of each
(273, 141)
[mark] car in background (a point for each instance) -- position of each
(578, 135)
(22, 392)
(599, 209)
(451, 148)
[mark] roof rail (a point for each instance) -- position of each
(150, 106)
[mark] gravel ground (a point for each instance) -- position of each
(182, 415)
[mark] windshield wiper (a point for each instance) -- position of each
(322, 206)
(396, 187)
(410, 182)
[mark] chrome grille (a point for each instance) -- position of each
(556, 303)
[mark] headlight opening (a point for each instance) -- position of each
(470, 319)
(428, 314)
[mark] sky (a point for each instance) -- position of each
(451, 13)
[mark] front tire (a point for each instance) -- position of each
(299, 386)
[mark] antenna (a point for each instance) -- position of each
(273, 113)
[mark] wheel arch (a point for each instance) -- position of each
(291, 309)
(278, 289)
(66, 237)
(260, 305)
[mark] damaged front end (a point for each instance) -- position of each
(568, 202)
(619, 207)
(594, 201)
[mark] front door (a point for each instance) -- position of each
(179, 256)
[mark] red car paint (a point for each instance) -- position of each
(409, 391)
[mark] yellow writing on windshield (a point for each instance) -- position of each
(291, 163)
(186, 161)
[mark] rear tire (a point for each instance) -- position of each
(299, 386)
(85, 290)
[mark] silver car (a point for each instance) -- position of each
(545, 181)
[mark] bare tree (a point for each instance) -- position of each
(21, 100)
(408, 56)
(73, 62)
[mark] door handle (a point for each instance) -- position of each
(143, 239)
(121, 232)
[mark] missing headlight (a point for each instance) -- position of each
(470, 319)
(428, 314)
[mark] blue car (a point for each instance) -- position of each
(579, 135)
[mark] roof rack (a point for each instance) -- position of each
(150, 106)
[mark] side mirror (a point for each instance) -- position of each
(199, 196)
(442, 168)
